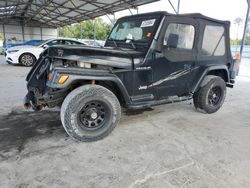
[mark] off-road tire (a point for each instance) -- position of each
(196, 100)
(27, 59)
(77, 101)
(204, 98)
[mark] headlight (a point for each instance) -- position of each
(12, 51)
(84, 65)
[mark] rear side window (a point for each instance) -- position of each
(71, 42)
(213, 41)
(54, 42)
(179, 36)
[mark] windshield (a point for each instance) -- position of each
(139, 30)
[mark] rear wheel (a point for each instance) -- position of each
(27, 59)
(196, 100)
(90, 113)
(211, 95)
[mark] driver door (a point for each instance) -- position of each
(174, 66)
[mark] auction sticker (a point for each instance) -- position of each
(148, 23)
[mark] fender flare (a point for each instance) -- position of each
(205, 72)
(106, 77)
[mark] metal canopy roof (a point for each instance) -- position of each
(57, 13)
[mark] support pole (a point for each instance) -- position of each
(81, 29)
(170, 2)
(111, 21)
(130, 11)
(41, 32)
(245, 29)
(4, 36)
(176, 10)
(178, 7)
(94, 32)
(23, 32)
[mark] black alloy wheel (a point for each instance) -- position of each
(93, 115)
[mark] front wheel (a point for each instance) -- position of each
(27, 59)
(211, 95)
(90, 113)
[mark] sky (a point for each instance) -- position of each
(219, 9)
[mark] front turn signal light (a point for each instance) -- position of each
(237, 56)
(63, 79)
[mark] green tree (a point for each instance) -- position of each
(1, 36)
(237, 22)
(235, 41)
(247, 39)
(74, 30)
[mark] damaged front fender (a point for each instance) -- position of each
(87, 75)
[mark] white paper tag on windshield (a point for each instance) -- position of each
(148, 23)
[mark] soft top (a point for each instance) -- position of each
(190, 15)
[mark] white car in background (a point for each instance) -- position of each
(95, 43)
(27, 55)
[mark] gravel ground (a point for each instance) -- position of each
(170, 146)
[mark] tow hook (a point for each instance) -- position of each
(37, 108)
(26, 102)
(27, 106)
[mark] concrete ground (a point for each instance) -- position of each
(170, 146)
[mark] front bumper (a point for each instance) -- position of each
(49, 93)
(51, 98)
(11, 58)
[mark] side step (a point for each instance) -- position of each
(138, 98)
(173, 99)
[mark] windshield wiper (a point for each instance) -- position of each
(113, 40)
(132, 44)
(129, 42)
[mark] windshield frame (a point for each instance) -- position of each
(140, 44)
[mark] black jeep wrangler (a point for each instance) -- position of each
(148, 59)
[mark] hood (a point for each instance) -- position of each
(22, 47)
(107, 56)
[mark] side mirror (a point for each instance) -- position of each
(45, 46)
(172, 41)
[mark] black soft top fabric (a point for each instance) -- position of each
(190, 15)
